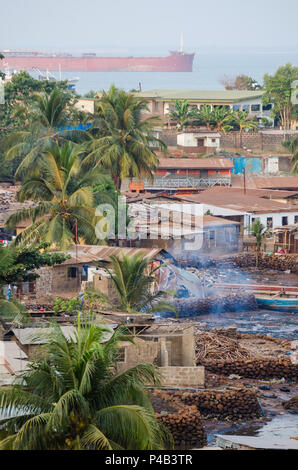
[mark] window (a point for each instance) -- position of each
(255, 107)
(236, 107)
(245, 107)
(212, 235)
(72, 272)
(269, 222)
(155, 106)
(296, 219)
(267, 107)
(284, 221)
(213, 141)
(121, 356)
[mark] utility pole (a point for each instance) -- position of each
(244, 180)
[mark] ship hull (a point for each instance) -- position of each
(172, 63)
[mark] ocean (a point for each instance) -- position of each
(209, 68)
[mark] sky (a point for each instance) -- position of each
(123, 25)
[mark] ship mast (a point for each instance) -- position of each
(181, 43)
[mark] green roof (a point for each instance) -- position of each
(201, 95)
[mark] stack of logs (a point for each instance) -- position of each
(233, 405)
(185, 424)
(275, 262)
(191, 307)
(254, 368)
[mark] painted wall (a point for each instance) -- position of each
(250, 164)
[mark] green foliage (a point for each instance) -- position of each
(62, 184)
(75, 400)
(258, 231)
(122, 140)
(17, 264)
(181, 113)
(70, 306)
(278, 91)
(133, 281)
(39, 125)
(19, 92)
(241, 82)
(292, 146)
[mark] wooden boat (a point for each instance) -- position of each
(281, 301)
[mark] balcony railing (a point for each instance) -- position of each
(188, 182)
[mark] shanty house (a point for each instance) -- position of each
(180, 174)
(65, 280)
(286, 238)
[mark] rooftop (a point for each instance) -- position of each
(86, 254)
(232, 96)
(12, 358)
(196, 163)
(263, 193)
(241, 202)
(267, 182)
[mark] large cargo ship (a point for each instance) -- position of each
(177, 61)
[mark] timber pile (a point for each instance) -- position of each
(190, 307)
(291, 404)
(233, 405)
(254, 368)
(274, 262)
(211, 346)
(185, 423)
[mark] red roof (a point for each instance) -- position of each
(196, 163)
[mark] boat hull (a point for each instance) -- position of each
(284, 305)
(176, 62)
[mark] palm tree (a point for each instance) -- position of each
(258, 231)
(62, 184)
(42, 120)
(122, 141)
(205, 116)
(222, 119)
(181, 113)
(133, 280)
(244, 122)
(75, 399)
(292, 146)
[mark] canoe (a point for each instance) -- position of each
(282, 301)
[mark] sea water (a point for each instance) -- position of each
(208, 71)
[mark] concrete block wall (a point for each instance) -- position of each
(174, 376)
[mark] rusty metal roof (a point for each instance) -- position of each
(239, 202)
(196, 163)
(260, 192)
(87, 254)
(267, 182)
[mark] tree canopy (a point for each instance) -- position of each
(278, 91)
(18, 264)
(75, 399)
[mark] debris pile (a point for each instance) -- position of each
(274, 262)
(211, 346)
(254, 368)
(184, 422)
(291, 404)
(190, 307)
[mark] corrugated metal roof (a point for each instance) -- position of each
(201, 95)
(39, 335)
(196, 163)
(92, 253)
(240, 202)
(266, 182)
(12, 358)
(263, 193)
